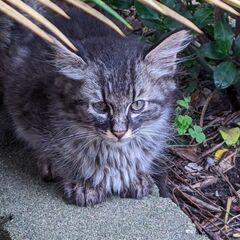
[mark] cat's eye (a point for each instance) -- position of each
(137, 105)
(100, 106)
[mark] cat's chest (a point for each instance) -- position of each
(115, 167)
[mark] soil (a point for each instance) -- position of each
(204, 190)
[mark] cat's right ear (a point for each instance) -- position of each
(68, 63)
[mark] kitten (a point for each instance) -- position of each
(97, 120)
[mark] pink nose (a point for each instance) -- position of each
(119, 134)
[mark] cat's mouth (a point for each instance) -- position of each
(118, 137)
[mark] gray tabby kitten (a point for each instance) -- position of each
(97, 120)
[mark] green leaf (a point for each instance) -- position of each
(203, 16)
(224, 74)
(223, 36)
(121, 4)
(209, 50)
(230, 136)
(109, 10)
(149, 17)
(172, 24)
(184, 102)
(237, 46)
(183, 122)
(197, 134)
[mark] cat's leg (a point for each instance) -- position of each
(46, 170)
(160, 175)
(161, 182)
(83, 194)
(140, 188)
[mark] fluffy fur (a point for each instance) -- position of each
(50, 94)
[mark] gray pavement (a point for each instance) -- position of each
(34, 210)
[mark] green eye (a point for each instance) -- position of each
(138, 105)
(100, 106)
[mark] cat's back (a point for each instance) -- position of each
(82, 25)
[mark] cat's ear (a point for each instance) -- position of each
(162, 60)
(68, 63)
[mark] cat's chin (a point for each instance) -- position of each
(116, 141)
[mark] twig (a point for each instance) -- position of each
(211, 150)
(204, 204)
(205, 108)
(206, 183)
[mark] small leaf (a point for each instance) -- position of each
(219, 153)
(230, 135)
(183, 122)
(184, 102)
(224, 74)
(200, 138)
(197, 134)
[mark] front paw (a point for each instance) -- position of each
(82, 195)
(140, 188)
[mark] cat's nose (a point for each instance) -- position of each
(119, 135)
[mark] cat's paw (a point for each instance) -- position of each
(83, 196)
(142, 187)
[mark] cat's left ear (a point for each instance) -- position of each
(68, 63)
(162, 60)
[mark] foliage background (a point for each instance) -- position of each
(215, 53)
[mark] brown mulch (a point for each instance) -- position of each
(201, 185)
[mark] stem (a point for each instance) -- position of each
(218, 14)
(201, 60)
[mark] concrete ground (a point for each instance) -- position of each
(34, 210)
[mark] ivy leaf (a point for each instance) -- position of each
(230, 135)
(183, 122)
(224, 74)
(223, 36)
(197, 134)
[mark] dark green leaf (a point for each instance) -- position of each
(121, 4)
(209, 50)
(203, 16)
(149, 17)
(223, 36)
(172, 24)
(224, 74)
